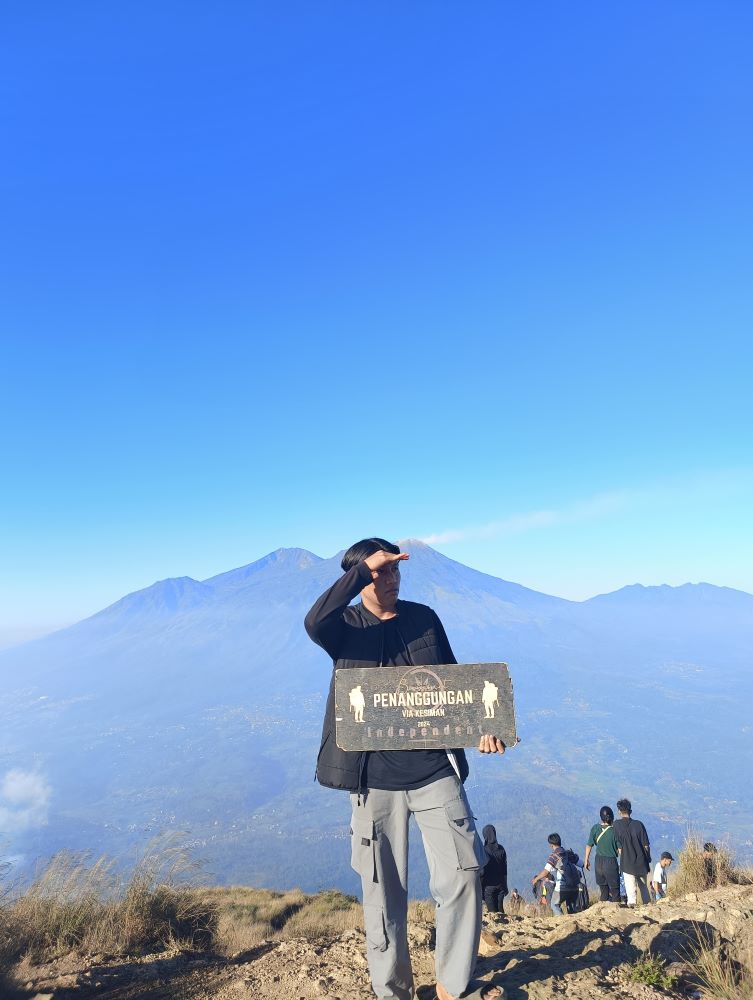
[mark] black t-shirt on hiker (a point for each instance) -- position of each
(632, 838)
(403, 770)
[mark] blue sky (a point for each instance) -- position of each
(292, 274)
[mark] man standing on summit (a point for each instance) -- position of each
(388, 786)
(635, 853)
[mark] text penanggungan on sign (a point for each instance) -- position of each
(423, 707)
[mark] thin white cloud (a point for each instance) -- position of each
(513, 525)
(517, 524)
(24, 801)
(601, 505)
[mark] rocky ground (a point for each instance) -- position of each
(587, 956)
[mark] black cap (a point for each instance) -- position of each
(666, 856)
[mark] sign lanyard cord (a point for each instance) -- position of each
(472, 783)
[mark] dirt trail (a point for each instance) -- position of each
(585, 957)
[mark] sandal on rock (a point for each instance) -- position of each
(426, 992)
(486, 991)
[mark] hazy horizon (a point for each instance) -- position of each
(17, 634)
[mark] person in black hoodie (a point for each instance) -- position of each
(387, 787)
(494, 873)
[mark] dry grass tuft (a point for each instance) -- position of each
(325, 916)
(247, 917)
(78, 905)
(75, 904)
(696, 873)
(722, 977)
(421, 911)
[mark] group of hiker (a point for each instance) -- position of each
(623, 858)
(622, 867)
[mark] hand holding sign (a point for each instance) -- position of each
(491, 744)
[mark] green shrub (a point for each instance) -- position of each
(651, 970)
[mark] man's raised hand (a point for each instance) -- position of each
(491, 744)
(378, 560)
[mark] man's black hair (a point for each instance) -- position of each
(606, 815)
(555, 840)
(624, 806)
(666, 856)
(365, 548)
(711, 848)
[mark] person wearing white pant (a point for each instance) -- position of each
(632, 884)
(635, 853)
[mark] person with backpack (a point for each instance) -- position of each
(494, 872)
(562, 865)
(602, 838)
(635, 853)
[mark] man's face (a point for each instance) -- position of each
(386, 586)
(666, 862)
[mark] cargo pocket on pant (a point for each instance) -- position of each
(373, 922)
(465, 838)
(363, 848)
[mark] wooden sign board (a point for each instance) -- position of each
(423, 707)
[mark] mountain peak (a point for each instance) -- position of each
(413, 543)
(167, 596)
(664, 595)
(282, 559)
(289, 557)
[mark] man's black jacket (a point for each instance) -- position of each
(354, 637)
(635, 849)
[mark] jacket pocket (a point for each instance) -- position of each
(373, 922)
(363, 848)
(467, 844)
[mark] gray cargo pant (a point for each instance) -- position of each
(454, 854)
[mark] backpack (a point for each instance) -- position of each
(569, 871)
(583, 901)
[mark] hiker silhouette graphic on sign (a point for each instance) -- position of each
(490, 698)
(357, 703)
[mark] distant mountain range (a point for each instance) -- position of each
(196, 705)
